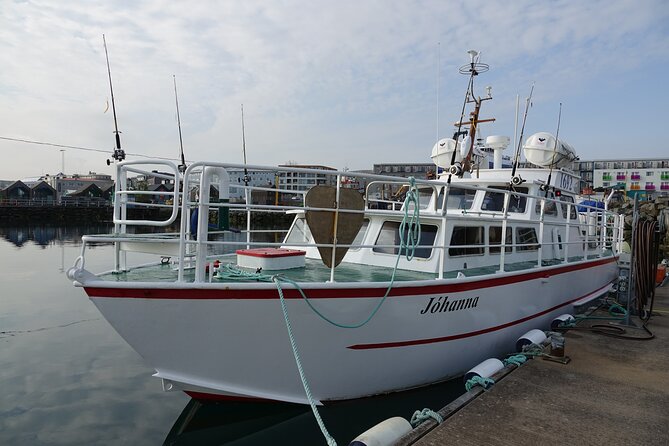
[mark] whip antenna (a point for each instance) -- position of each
(182, 166)
(119, 154)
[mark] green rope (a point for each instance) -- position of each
(616, 312)
(413, 222)
(296, 354)
(231, 272)
(515, 360)
(532, 350)
(477, 380)
(420, 416)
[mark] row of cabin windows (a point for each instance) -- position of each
(388, 240)
(464, 236)
(494, 201)
(467, 236)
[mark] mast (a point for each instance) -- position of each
(473, 69)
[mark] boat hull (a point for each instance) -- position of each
(231, 340)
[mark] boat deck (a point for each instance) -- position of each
(315, 271)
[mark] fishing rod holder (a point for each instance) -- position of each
(119, 154)
(455, 169)
(517, 180)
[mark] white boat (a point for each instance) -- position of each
(466, 294)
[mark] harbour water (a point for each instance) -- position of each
(66, 377)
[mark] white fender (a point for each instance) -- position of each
(485, 369)
(560, 319)
(531, 337)
(386, 433)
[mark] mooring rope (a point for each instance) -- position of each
(420, 416)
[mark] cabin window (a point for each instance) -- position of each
(360, 236)
(565, 199)
(457, 198)
(390, 235)
(550, 208)
(299, 233)
(526, 239)
(424, 196)
(495, 238)
(463, 236)
(494, 201)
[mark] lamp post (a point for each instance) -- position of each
(62, 161)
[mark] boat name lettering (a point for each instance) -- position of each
(442, 304)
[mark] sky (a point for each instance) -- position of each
(340, 83)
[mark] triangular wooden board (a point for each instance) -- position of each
(321, 223)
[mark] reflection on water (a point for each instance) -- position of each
(47, 235)
(68, 378)
(255, 424)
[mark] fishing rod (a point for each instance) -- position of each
(119, 154)
(182, 166)
(517, 180)
(246, 172)
(557, 133)
(438, 84)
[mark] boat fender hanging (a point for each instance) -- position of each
(485, 369)
(534, 336)
(561, 320)
(386, 433)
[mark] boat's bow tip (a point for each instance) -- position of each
(79, 276)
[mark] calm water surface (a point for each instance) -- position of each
(66, 377)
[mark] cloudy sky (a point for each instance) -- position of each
(339, 83)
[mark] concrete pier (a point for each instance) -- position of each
(613, 392)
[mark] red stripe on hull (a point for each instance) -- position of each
(463, 335)
(332, 293)
(218, 397)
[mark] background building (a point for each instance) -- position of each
(66, 185)
(648, 176)
(301, 181)
(417, 170)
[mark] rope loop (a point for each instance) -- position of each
(420, 416)
(477, 380)
(410, 226)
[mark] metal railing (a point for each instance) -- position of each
(594, 232)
